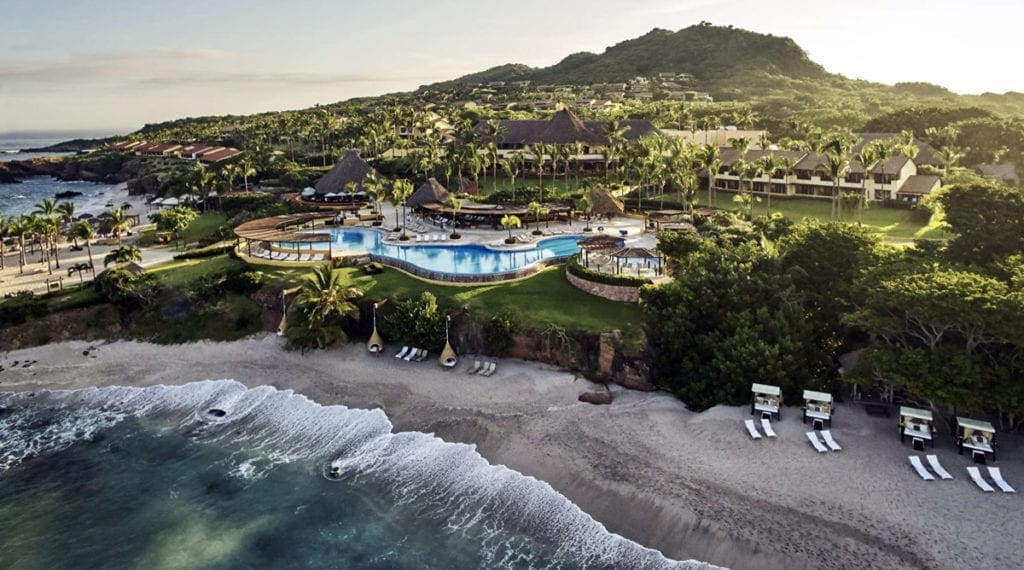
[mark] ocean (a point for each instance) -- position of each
(21, 198)
(215, 475)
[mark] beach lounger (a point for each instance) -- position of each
(419, 238)
(493, 368)
(766, 425)
(444, 237)
(997, 476)
(487, 366)
(403, 352)
(933, 461)
(292, 257)
(815, 442)
(915, 461)
(412, 354)
(751, 429)
(829, 441)
(982, 484)
(422, 356)
(473, 369)
(320, 257)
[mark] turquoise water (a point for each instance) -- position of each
(466, 259)
(151, 478)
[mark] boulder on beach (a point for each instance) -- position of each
(602, 398)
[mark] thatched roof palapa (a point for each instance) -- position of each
(351, 168)
(602, 203)
(431, 192)
(601, 242)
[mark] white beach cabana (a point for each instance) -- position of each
(977, 436)
(767, 400)
(818, 408)
(917, 424)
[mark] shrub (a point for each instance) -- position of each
(211, 251)
(573, 266)
(500, 331)
(20, 308)
(417, 321)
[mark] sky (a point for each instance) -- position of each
(112, 66)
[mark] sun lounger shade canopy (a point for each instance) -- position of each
(765, 389)
(817, 396)
(275, 228)
(975, 424)
(918, 413)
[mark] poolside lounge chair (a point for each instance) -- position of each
(982, 484)
(933, 461)
(403, 352)
(487, 366)
(419, 238)
(829, 441)
(751, 429)
(766, 425)
(412, 354)
(473, 369)
(422, 356)
(997, 476)
(812, 437)
(493, 368)
(915, 462)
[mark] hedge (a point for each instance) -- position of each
(211, 251)
(573, 266)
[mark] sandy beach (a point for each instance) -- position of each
(691, 485)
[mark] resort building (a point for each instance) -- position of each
(565, 128)
(349, 172)
(893, 179)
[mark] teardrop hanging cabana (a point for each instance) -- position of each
(376, 343)
(448, 357)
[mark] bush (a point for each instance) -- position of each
(20, 308)
(211, 251)
(124, 288)
(417, 322)
(500, 331)
(373, 268)
(573, 266)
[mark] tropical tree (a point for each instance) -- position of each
(769, 164)
(19, 227)
(246, 168)
(174, 220)
(79, 268)
(46, 226)
(949, 157)
(836, 166)
(536, 209)
(583, 205)
(325, 303)
(708, 157)
(401, 189)
(200, 180)
(511, 169)
(455, 205)
(867, 158)
(508, 222)
(66, 211)
(119, 222)
(84, 231)
(5, 227)
(538, 150)
(123, 254)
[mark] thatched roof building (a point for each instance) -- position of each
(351, 168)
(564, 127)
(602, 203)
(431, 192)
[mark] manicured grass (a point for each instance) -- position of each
(204, 225)
(889, 222)
(181, 272)
(546, 299)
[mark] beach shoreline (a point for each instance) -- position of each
(693, 486)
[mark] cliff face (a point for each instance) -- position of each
(108, 169)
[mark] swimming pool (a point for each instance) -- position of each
(446, 257)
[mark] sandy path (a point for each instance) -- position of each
(691, 485)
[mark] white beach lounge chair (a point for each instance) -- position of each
(412, 354)
(766, 425)
(473, 369)
(752, 429)
(422, 356)
(829, 441)
(982, 484)
(915, 462)
(485, 368)
(444, 237)
(812, 437)
(493, 368)
(403, 352)
(933, 461)
(997, 476)
(419, 238)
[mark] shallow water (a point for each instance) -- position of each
(123, 477)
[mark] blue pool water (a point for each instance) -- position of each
(446, 257)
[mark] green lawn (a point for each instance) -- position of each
(890, 222)
(204, 225)
(181, 272)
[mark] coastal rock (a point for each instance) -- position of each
(67, 194)
(597, 398)
(635, 375)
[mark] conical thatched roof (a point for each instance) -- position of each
(601, 242)
(432, 192)
(351, 168)
(602, 203)
(566, 128)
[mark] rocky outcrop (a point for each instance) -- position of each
(108, 169)
(93, 323)
(602, 398)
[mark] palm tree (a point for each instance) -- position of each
(66, 211)
(583, 205)
(400, 192)
(508, 222)
(949, 157)
(200, 180)
(246, 168)
(709, 158)
(119, 222)
(123, 254)
(323, 297)
(5, 227)
(47, 227)
(79, 268)
(84, 231)
(538, 150)
(769, 164)
(867, 157)
(536, 210)
(18, 227)
(508, 166)
(455, 205)
(836, 166)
